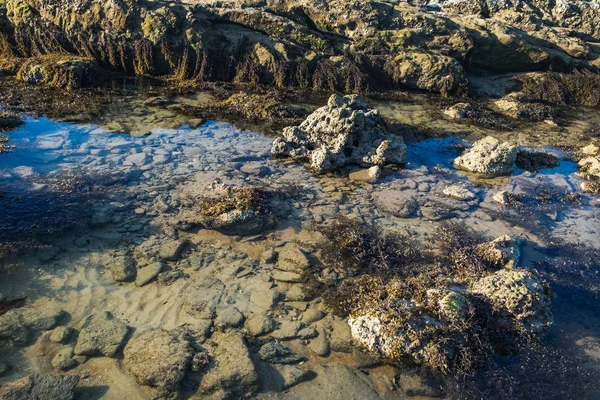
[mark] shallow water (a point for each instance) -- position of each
(123, 189)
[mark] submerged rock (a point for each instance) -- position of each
(63, 360)
(276, 353)
(396, 203)
(123, 268)
(534, 160)
(41, 387)
(18, 325)
(488, 156)
(158, 359)
(520, 295)
(100, 335)
(344, 132)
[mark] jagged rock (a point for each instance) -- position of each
(489, 157)
(453, 306)
(19, 324)
(41, 387)
(343, 132)
(123, 268)
(515, 105)
(66, 72)
(459, 192)
(458, 111)
(276, 353)
(590, 167)
(431, 72)
(232, 371)
(503, 251)
(158, 359)
(521, 295)
(100, 335)
(396, 203)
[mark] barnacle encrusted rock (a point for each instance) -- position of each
(519, 297)
(488, 156)
(343, 132)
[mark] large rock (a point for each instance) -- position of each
(100, 335)
(520, 295)
(343, 132)
(158, 359)
(19, 325)
(40, 387)
(488, 157)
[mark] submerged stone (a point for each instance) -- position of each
(100, 335)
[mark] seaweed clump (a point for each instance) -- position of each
(581, 88)
(233, 199)
(443, 306)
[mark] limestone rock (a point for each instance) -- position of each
(459, 192)
(19, 324)
(264, 299)
(41, 387)
(259, 325)
(489, 157)
(230, 317)
(343, 132)
(100, 335)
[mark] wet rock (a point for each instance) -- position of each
(396, 203)
(434, 73)
(268, 256)
(256, 169)
(167, 278)
(413, 384)
(320, 344)
(201, 299)
(264, 299)
(344, 132)
(232, 371)
(63, 360)
(137, 159)
(370, 175)
(296, 293)
(458, 111)
(100, 335)
(276, 353)
(533, 160)
(311, 315)
(259, 325)
(287, 330)
(504, 251)
(19, 324)
(436, 212)
(230, 317)
(459, 192)
(172, 250)
(293, 375)
(292, 259)
(158, 359)
(123, 268)
(4, 368)
(289, 277)
(62, 334)
(41, 386)
(341, 337)
(521, 295)
(517, 106)
(66, 72)
(488, 157)
(146, 274)
(453, 306)
(502, 197)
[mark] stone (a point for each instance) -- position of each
(320, 344)
(459, 192)
(232, 371)
(285, 276)
(158, 359)
(370, 175)
(264, 299)
(4, 368)
(590, 150)
(19, 324)
(256, 169)
(100, 335)
(123, 268)
(298, 305)
(341, 337)
(488, 157)
(502, 252)
(502, 197)
(535, 160)
(458, 111)
(230, 317)
(172, 250)
(268, 256)
(137, 159)
(201, 299)
(63, 360)
(312, 315)
(520, 294)
(296, 293)
(61, 334)
(276, 353)
(396, 203)
(590, 167)
(287, 330)
(146, 274)
(413, 384)
(40, 387)
(453, 306)
(292, 259)
(259, 325)
(293, 375)
(343, 132)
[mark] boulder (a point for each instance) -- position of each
(535, 160)
(41, 387)
(521, 298)
(19, 324)
(344, 132)
(488, 157)
(158, 359)
(100, 335)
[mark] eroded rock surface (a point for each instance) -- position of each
(488, 156)
(41, 387)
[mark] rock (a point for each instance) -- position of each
(293, 375)
(590, 167)
(123, 268)
(158, 359)
(100, 335)
(290, 277)
(396, 203)
(296, 293)
(41, 387)
(276, 353)
(516, 105)
(287, 330)
(320, 344)
(137, 159)
(370, 175)
(341, 133)
(264, 299)
(233, 371)
(311, 315)
(431, 72)
(590, 150)
(458, 111)
(256, 169)
(146, 274)
(167, 278)
(19, 324)
(202, 298)
(341, 337)
(259, 325)
(502, 197)
(172, 250)
(459, 192)
(230, 317)
(63, 360)
(488, 157)
(65, 72)
(503, 251)
(453, 306)
(591, 187)
(292, 259)
(195, 122)
(62, 334)
(533, 160)
(268, 256)
(520, 295)
(413, 384)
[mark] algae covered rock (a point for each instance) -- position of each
(68, 72)
(41, 387)
(502, 252)
(344, 132)
(488, 156)
(158, 359)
